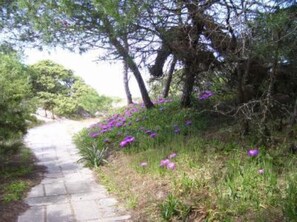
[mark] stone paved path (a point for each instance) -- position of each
(68, 191)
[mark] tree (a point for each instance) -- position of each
(192, 37)
(61, 92)
(125, 75)
(49, 80)
(87, 98)
(85, 25)
(15, 97)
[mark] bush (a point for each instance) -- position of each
(14, 99)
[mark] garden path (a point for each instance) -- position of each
(68, 191)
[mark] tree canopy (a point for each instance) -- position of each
(14, 98)
(60, 91)
(245, 48)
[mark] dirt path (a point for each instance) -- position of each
(68, 191)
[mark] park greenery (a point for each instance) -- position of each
(24, 89)
(60, 91)
(46, 85)
(168, 164)
(222, 148)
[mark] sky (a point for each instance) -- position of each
(105, 77)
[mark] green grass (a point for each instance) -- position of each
(214, 178)
(13, 175)
(14, 191)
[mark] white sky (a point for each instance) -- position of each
(105, 77)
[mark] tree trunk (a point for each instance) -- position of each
(125, 75)
(126, 83)
(168, 82)
(131, 64)
(188, 85)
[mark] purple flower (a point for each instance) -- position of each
(124, 143)
(143, 164)
(171, 166)
(172, 155)
(94, 134)
(119, 124)
(153, 135)
(148, 132)
(104, 130)
(261, 171)
(176, 130)
(205, 94)
(164, 163)
(188, 123)
(128, 140)
(161, 100)
(253, 152)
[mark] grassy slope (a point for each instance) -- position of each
(213, 179)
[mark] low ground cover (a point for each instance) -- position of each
(169, 164)
(17, 175)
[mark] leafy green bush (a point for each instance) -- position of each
(14, 99)
(60, 91)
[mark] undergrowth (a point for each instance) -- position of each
(182, 165)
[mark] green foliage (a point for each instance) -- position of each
(163, 120)
(88, 99)
(174, 208)
(59, 91)
(157, 85)
(15, 94)
(14, 191)
(93, 156)
(290, 201)
(213, 171)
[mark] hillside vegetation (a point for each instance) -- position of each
(169, 164)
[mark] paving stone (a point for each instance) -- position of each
(33, 214)
(37, 191)
(54, 189)
(77, 187)
(86, 210)
(52, 180)
(53, 175)
(59, 212)
(39, 201)
(53, 169)
(87, 196)
(68, 191)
